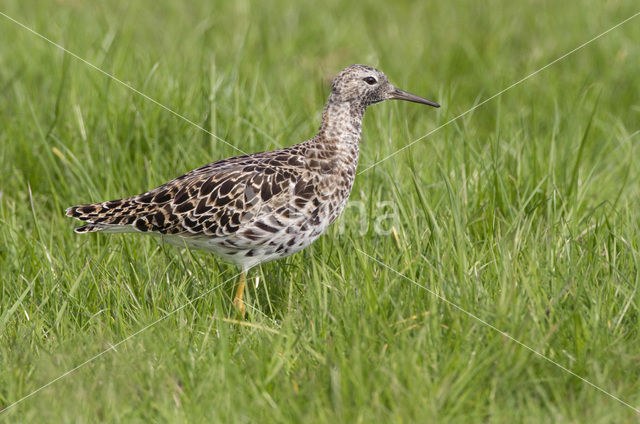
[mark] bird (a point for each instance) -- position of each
(258, 207)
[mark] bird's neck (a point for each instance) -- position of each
(336, 147)
(341, 123)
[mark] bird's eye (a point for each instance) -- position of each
(370, 80)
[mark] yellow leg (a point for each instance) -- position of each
(237, 301)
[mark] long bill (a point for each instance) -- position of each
(403, 95)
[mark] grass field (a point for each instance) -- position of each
(523, 213)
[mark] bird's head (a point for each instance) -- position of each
(365, 86)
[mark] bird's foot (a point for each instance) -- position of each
(240, 307)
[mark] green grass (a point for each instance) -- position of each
(524, 213)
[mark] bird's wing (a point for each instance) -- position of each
(213, 200)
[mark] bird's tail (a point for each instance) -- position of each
(116, 216)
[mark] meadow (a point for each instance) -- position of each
(519, 220)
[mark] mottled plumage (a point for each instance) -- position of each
(254, 208)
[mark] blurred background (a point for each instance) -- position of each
(524, 211)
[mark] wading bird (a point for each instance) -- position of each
(256, 208)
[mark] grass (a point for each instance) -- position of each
(523, 212)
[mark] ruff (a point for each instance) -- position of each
(255, 208)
